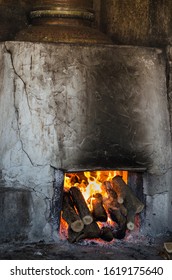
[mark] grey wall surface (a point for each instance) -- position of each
(87, 107)
(15, 214)
(80, 107)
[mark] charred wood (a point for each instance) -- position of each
(69, 214)
(131, 202)
(81, 205)
(131, 219)
(118, 186)
(106, 234)
(123, 210)
(111, 202)
(98, 212)
(128, 195)
(90, 231)
(117, 217)
(120, 233)
(117, 211)
(72, 235)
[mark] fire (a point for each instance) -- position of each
(90, 183)
(98, 204)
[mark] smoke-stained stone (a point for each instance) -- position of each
(78, 107)
(75, 107)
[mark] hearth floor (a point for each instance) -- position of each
(92, 250)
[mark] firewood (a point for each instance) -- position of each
(112, 205)
(72, 235)
(127, 194)
(117, 217)
(120, 233)
(123, 209)
(108, 188)
(130, 219)
(131, 202)
(69, 214)
(168, 247)
(90, 231)
(117, 185)
(106, 234)
(165, 255)
(81, 206)
(98, 212)
(111, 201)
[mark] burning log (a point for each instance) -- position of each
(98, 212)
(90, 231)
(106, 234)
(120, 233)
(72, 235)
(112, 201)
(117, 183)
(117, 217)
(122, 214)
(131, 219)
(123, 210)
(81, 205)
(131, 202)
(69, 214)
(117, 211)
(127, 193)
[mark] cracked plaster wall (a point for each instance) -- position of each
(19, 171)
(73, 107)
(66, 109)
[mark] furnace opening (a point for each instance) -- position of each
(99, 205)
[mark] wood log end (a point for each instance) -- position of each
(139, 208)
(77, 226)
(120, 200)
(130, 225)
(87, 220)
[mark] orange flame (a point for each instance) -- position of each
(93, 181)
(90, 183)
